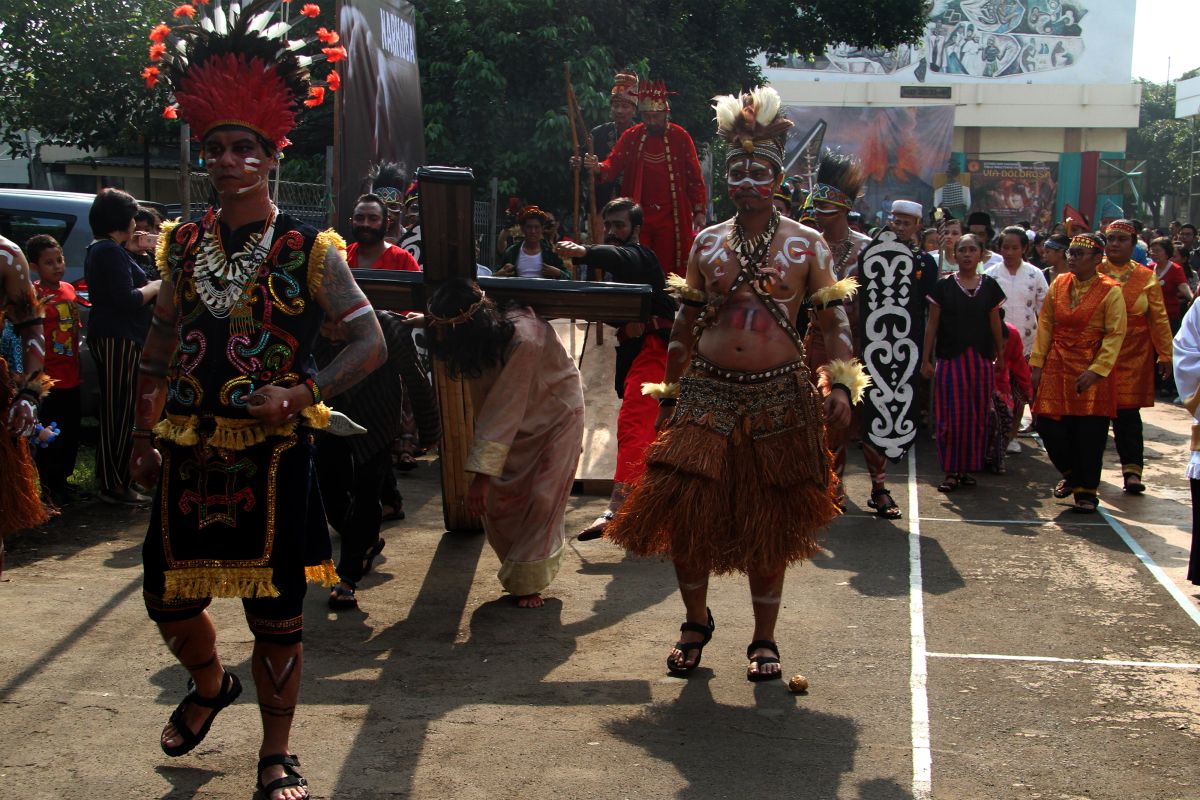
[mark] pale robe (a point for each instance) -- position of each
(528, 437)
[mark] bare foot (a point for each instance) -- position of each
(194, 717)
(766, 669)
(534, 600)
(274, 773)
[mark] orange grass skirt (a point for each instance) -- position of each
(739, 480)
(20, 506)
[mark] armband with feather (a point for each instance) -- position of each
(837, 294)
(850, 375)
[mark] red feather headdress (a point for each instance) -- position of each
(229, 65)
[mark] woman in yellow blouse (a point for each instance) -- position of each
(1148, 335)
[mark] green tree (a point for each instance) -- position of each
(1164, 143)
(492, 78)
(69, 70)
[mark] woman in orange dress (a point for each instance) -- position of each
(1079, 335)
(1148, 335)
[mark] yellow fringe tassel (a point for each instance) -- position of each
(177, 429)
(324, 573)
(236, 434)
(316, 416)
(678, 285)
(316, 258)
(660, 390)
(845, 289)
(198, 582)
(849, 373)
(160, 252)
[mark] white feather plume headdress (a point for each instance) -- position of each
(752, 123)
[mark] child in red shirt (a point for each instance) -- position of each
(1011, 368)
(63, 405)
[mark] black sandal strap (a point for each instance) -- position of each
(222, 698)
(291, 777)
(695, 627)
(762, 644)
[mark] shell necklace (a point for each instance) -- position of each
(221, 281)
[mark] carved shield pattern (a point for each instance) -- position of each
(891, 349)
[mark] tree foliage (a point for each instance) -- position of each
(1164, 143)
(492, 70)
(70, 71)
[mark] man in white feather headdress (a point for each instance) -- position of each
(739, 479)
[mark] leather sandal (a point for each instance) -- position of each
(678, 668)
(1061, 489)
(596, 529)
(759, 676)
(291, 778)
(1133, 484)
(884, 504)
(193, 697)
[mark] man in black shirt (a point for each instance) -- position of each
(641, 348)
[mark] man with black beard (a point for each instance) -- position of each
(370, 250)
(641, 346)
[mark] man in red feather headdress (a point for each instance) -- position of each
(229, 360)
(656, 160)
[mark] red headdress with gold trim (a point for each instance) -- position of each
(652, 96)
(246, 66)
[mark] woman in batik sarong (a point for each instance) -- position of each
(964, 332)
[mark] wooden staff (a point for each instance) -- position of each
(572, 114)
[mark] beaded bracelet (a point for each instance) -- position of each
(314, 389)
(142, 433)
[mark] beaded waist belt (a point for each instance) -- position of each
(738, 376)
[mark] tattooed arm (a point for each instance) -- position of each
(343, 302)
(21, 306)
(151, 395)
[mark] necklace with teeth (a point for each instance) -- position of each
(221, 281)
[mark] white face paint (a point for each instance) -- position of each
(251, 187)
(746, 180)
(251, 164)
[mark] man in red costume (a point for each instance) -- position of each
(657, 162)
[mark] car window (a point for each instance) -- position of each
(19, 226)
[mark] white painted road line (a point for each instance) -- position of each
(968, 521)
(1155, 570)
(922, 760)
(1104, 662)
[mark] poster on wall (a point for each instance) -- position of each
(380, 96)
(901, 149)
(1052, 41)
(1013, 191)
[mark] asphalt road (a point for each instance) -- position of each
(990, 644)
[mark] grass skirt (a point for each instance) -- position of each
(738, 481)
(20, 506)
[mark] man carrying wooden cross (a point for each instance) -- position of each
(740, 477)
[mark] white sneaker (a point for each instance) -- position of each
(1013, 447)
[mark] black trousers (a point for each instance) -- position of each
(1127, 430)
(351, 494)
(1076, 448)
(116, 367)
(56, 462)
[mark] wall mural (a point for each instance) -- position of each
(985, 39)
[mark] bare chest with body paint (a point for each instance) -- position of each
(742, 333)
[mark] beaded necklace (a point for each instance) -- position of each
(221, 281)
(752, 253)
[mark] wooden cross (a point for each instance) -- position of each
(447, 206)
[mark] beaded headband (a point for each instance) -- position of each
(1088, 241)
(1121, 225)
(830, 194)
